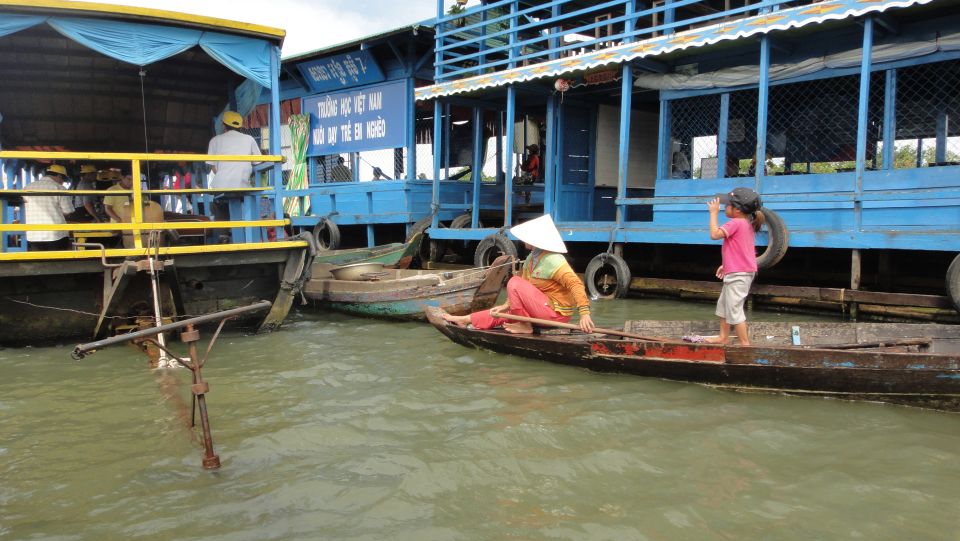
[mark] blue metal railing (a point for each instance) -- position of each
(500, 34)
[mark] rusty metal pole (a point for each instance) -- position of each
(200, 388)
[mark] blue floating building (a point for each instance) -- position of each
(622, 118)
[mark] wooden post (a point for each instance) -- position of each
(854, 280)
(885, 271)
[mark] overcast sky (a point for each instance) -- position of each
(310, 24)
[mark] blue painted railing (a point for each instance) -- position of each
(501, 34)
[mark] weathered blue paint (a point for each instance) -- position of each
(626, 107)
(844, 364)
(276, 173)
(763, 99)
(863, 102)
(762, 361)
(476, 172)
(889, 116)
(948, 376)
(550, 158)
(722, 135)
(509, 151)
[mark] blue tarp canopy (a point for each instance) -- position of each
(142, 44)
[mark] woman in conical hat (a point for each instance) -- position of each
(547, 288)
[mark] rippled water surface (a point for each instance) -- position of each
(351, 429)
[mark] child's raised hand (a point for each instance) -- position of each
(714, 204)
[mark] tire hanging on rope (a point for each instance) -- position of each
(327, 235)
(462, 248)
(778, 239)
(953, 282)
(492, 247)
(607, 276)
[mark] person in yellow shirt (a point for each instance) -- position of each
(119, 209)
(113, 204)
(547, 287)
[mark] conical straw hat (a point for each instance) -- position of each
(540, 233)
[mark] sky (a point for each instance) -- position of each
(310, 24)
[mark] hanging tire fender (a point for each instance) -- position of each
(492, 247)
(327, 235)
(778, 239)
(607, 277)
(953, 282)
(419, 226)
(461, 222)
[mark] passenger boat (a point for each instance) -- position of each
(181, 73)
(398, 255)
(908, 364)
(403, 294)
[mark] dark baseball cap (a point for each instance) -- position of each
(745, 199)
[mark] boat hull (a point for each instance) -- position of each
(407, 293)
(892, 375)
(54, 301)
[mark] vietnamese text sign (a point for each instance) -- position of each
(341, 71)
(370, 118)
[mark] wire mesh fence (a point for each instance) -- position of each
(694, 124)
(812, 126)
(742, 133)
(927, 105)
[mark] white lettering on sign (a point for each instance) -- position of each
(326, 108)
(319, 73)
(357, 120)
(376, 129)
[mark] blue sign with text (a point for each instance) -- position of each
(341, 71)
(370, 118)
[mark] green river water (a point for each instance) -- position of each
(349, 429)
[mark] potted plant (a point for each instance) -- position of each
(459, 7)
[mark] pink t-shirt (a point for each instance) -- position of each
(738, 248)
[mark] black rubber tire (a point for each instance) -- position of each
(431, 250)
(778, 240)
(327, 235)
(419, 226)
(492, 247)
(607, 277)
(463, 248)
(953, 282)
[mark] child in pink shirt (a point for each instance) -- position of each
(739, 258)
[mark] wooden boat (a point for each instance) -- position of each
(398, 254)
(909, 364)
(403, 294)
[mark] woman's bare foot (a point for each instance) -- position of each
(520, 327)
(459, 321)
(713, 340)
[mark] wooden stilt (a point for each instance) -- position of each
(855, 276)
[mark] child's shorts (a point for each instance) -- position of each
(736, 286)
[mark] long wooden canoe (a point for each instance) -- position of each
(403, 293)
(910, 364)
(398, 254)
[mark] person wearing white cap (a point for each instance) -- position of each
(547, 287)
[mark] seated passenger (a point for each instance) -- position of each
(48, 209)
